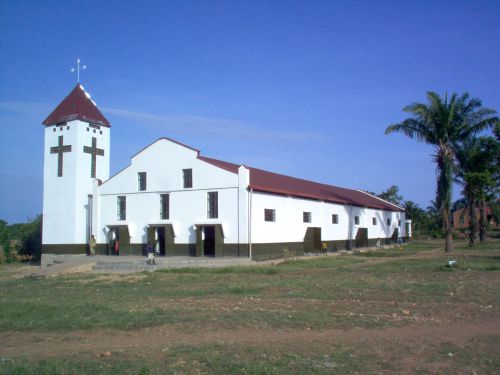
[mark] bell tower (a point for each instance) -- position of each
(76, 151)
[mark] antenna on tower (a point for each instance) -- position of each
(78, 69)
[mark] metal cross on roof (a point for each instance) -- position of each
(78, 69)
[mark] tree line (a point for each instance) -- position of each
(455, 126)
(22, 241)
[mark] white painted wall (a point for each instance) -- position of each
(289, 225)
(65, 198)
(163, 161)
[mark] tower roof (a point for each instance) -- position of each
(77, 106)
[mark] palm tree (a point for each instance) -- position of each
(468, 157)
(444, 123)
(479, 173)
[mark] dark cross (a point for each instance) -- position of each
(94, 151)
(60, 149)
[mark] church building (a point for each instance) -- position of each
(186, 204)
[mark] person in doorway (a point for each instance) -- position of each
(116, 247)
(324, 248)
(92, 245)
(157, 247)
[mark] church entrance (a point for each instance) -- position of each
(209, 240)
(312, 240)
(161, 238)
(361, 239)
(119, 240)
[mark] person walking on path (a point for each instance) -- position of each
(92, 245)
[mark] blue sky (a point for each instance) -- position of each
(304, 88)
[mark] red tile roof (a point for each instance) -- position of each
(77, 106)
(270, 182)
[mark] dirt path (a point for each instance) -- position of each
(49, 344)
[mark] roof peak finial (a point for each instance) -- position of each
(78, 69)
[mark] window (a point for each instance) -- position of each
(164, 206)
(122, 208)
(374, 221)
(399, 223)
(462, 220)
(306, 217)
(188, 178)
(356, 220)
(213, 205)
(388, 222)
(142, 181)
(335, 219)
(269, 214)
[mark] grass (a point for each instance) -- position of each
(366, 290)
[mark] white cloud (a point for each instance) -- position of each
(186, 123)
(23, 107)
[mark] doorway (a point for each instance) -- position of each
(209, 240)
(119, 240)
(361, 239)
(312, 240)
(165, 236)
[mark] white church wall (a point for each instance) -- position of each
(66, 197)
(59, 193)
(289, 226)
(163, 162)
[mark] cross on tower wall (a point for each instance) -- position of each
(60, 149)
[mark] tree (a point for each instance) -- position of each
(391, 195)
(442, 124)
(477, 171)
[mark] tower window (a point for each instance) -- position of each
(122, 207)
(164, 206)
(269, 214)
(374, 221)
(213, 205)
(388, 222)
(356, 220)
(188, 178)
(306, 217)
(67, 127)
(335, 219)
(54, 129)
(141, 181)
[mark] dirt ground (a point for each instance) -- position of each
(424, 327)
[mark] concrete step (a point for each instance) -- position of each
(139, 265)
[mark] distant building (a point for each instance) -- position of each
(461, 217)
(183, 203)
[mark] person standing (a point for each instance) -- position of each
(92, 245)
(151, 255)
(117, 247)
(324, 248)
